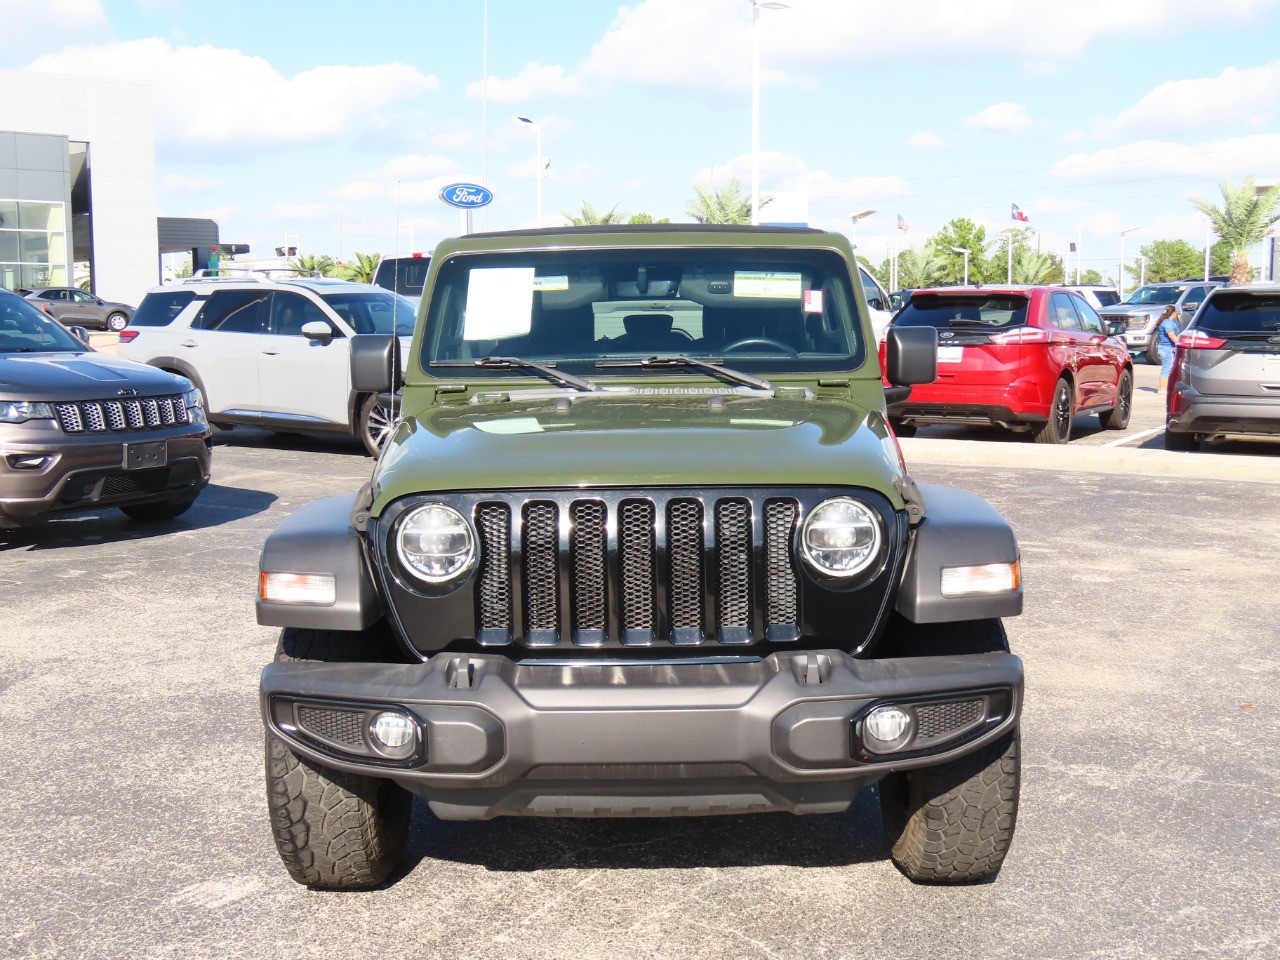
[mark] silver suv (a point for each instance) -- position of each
(1226, 376)
(1141, 311)
(271, 353)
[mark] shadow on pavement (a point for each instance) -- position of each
(216, 505)
(523, 844)
(253, 437)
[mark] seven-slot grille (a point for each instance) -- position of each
(115, 416)
(641, 570)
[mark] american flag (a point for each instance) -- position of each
(902, 224)
(1017, 214)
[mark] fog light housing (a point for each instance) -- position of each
(886, 729)
(395, 734)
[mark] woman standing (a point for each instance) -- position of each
(1167, 330)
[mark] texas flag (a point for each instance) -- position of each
(902, 224)
(1017, 214)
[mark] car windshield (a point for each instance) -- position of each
(1108, 298)
(376, 312)
(1154, 296)
(404, 275)
(1241, 313)
(24, 329)
(959, 310)
(760, 310)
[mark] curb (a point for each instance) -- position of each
(1147, 463)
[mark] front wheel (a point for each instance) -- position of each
(1057, 429)
(954, 823)
(117, 322)
(1153, 350)
(1117, 418)
(375, 424)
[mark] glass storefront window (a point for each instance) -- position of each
(33, 243)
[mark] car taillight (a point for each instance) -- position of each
(128, 336)
(1199, 340)
(1022, 335)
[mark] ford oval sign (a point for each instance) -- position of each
(466, 196)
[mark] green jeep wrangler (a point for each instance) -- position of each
(642, 543)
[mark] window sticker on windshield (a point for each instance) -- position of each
(551, 283)
(499, 303)
(767, 283)
(813, 301)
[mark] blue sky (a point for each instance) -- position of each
(287, 119)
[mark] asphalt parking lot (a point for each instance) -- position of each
(135, 824)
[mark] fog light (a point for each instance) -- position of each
(395, 732)
(886, 728)
(18, 461)
(320, 589)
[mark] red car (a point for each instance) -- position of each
(1026, 358)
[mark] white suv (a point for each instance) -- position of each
(271, 353)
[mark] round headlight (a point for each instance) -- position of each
(841, 537)
(435, 543)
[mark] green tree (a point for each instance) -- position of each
(920, 268)
(1091, 276)
(361, 269)
(1029, 265)
(728, 204)
(1219, 259)
(312, 263)
(646, 218)
(590, 216)
(964, 233)
(1243, 219)
(1168, 260)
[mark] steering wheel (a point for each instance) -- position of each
(760, 342)
(683, 334)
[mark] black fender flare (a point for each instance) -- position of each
(959, 529)
(319, 538)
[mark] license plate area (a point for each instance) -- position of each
(142, 456)
(950, 354)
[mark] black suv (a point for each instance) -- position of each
(80, 429)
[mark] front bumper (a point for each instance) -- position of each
(500, 737)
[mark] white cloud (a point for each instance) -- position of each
(535, 82)
(1232, 97)
(1004, 116)
(29, 24)
(250, 103)
(179, 183)
(1231, 157)
(411, 179)
(924, 140)
(302, 211)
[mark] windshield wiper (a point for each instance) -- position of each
(710, 365)
(516, 363)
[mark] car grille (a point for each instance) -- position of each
(119, 416)
(645, 570)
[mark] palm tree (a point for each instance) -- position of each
(918, 269)
(1245, 217)
(590, 216)
(361, 269)
(726, 205)
(321, 264)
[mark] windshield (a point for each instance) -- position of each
(1155, 296)
(764, 310)
(24, 329)
(955, 310)
(374, 312)
(1108, 298)
(404, 275)
(1240, 313)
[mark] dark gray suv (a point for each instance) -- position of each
(1226, 375)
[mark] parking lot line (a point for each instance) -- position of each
(1137, 436)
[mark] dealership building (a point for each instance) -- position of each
(78, 187)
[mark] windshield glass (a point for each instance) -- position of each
(374, 312)
(404, 275)
(947, 310)
(24, 329)
(1108, 298)
(1240, 313)
(1155, 296)
(763, 310)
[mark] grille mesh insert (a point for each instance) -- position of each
(937, 720)
(780, 587)
(588, 548)
(494, 521)
(733, 541)
(104, 416)
(635, 537)
(340, 726)
(541, 571)
(684, 554)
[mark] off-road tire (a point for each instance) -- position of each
(157, 512)
(953, 823)
(1057, 429)
(334, 830)
(903, 428)
(117, 322)
(1117, 418)
(1180, 442)
(368, 425)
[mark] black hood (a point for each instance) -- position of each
(81, 376)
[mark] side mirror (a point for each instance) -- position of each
(317, 331)
(1190, 307)
(375, 363)
(1115, 328)
(910, 355)
(80, 333)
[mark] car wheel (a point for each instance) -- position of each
(375, 424)
(954, 823)
(903, 428)
(117, 322)
(156, 512)
(1057, 429)
(1117, 418)
(333, 830)
(1181, 442)
(1153, 350)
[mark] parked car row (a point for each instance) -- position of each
(72, 306)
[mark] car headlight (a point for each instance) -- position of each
(435, 543)
(20, 411)
(194, 403)
(841, 537)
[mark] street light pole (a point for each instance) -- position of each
(755, 102)
(537, 161)
(853, 228)
(965, 251)
(1120, 278)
